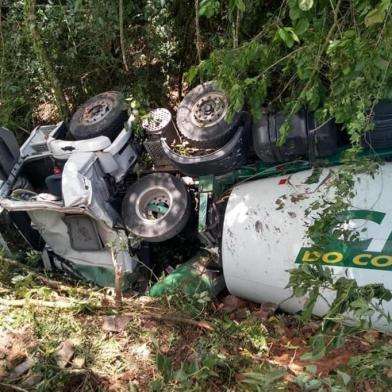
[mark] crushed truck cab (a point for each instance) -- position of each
(74, 227)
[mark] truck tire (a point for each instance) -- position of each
(305, 139)
(231, 156)
(381, 136)
(157, 207)
(379, 139)
(201, 117)
(102, 115)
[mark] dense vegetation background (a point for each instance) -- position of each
(331, 55)
(61, 52)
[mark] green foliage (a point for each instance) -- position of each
(332, 57)
(363, 369)
(329, 222)
(249, 335)
(266, 378)
(288, 35)
(305, 5)
(5, 270)
(235, 355)
(208, 8)
(360, 303)
(81, 41)
(372, 366)
(308, 381)
(377, 14)
(327, 214)
(193, 304)
(212, 359)
(188, 377)
(33, 258)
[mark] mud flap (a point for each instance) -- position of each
(9, 153)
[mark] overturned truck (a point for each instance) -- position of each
(94, 192)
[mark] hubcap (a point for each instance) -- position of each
(153, 204)
(96, 111)
(209, 109)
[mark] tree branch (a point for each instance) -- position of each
(19, 303)
(175, 319)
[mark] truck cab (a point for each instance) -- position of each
(55, 192)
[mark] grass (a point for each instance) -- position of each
(241, 353)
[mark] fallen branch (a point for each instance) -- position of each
(175, 319)
(14, 387)
(53, 284)
(67, 305)
(19, 303)
(56, 285)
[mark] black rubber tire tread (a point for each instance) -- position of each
(379, 139)
(111, 125)
(231, 156)
(215, 136)
(172, 223)
(383, 110)
(261, 137)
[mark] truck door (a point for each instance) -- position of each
(9, 155)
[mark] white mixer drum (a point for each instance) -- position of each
(264, 235)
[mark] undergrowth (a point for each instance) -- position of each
(240, 352)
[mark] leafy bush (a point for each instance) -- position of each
(331, 56)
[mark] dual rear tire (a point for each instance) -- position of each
(157, 207)
(201, 117)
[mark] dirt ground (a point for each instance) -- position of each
(62, 337)
(153, 345)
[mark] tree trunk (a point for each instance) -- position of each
(117, 280)
(197, 28)
(2, 45)
(43, 59)
(236, 29)
(121, 23)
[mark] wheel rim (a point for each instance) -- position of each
(209, 109)
(96, 111)
(153, 204)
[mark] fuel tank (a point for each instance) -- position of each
(264, 235)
